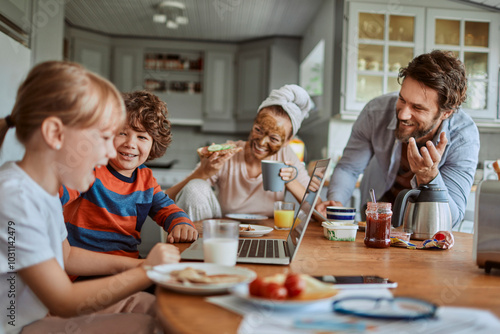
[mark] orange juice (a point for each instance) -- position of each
(283, 219)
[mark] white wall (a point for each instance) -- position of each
(15, 62)
(314, 131)
(322, 27)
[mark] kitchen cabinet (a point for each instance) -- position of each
(218, 112)
(263, 66)
(127, 68)
(176, 77)
(473, 37)
(379, 43)
(260, 67)
(382, 41)
(16, 19)
(94, 55)
(252, 81)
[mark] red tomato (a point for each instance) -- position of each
(274, 291)
(294, 284)
(439, 236)
(256, 287)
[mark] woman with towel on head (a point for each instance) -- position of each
(237, 177)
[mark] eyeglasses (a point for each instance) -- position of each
(398, 308)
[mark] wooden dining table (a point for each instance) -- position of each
(444, 277)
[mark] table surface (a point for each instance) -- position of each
(444, 277)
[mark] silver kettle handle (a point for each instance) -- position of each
(400, 205)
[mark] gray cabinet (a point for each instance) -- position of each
(218, 112)
(127, 68)
(218, 83)
(263, 66)
(94, 55)
(252, 81)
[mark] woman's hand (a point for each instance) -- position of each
(287, 173)
(161, 254)
(182, 233)
(210, 165)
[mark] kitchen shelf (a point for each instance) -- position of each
(163, 72)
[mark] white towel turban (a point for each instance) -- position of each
(294, 100)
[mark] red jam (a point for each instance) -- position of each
(378, 225)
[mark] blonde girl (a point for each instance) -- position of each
(66, 118)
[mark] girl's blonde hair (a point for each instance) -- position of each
(65, 90)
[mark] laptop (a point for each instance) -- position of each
(276, 251)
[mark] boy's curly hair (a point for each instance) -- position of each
(146, 112)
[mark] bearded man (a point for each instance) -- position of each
(415, 137)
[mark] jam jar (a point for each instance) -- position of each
(378, 225)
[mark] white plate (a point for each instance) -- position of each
(241, 291)
(244, 217)
(160, 275)
(258, 230)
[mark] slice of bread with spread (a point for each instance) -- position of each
(223, 149)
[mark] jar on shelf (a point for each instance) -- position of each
(378, 225)
(150, 61)
(159, 61)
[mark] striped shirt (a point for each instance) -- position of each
(109, 216)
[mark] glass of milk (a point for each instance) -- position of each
(220, 241)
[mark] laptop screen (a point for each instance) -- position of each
(306, 207)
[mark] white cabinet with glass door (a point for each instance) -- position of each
(473, 38)
(381, 40)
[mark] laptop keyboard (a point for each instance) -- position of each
(262, 248)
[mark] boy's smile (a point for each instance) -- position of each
(132, 149)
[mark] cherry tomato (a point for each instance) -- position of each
(439, 236)
(294, 284)
(256, 287)
(274, 291)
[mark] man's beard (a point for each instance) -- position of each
(418, 133)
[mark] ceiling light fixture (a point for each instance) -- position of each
(171, 13)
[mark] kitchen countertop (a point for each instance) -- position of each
(167, 177)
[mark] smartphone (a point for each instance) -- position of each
(357, 282)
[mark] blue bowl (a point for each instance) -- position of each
(341, 217)
(339, 209)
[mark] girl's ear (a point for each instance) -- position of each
(52, 132)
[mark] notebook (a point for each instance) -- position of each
(276, 251)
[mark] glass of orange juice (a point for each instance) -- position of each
(283, 215)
